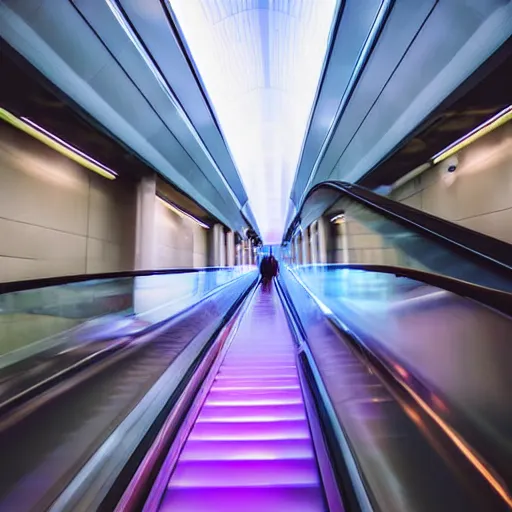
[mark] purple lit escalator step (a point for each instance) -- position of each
(258, 369)
(264, 384)
(240, 499)
(294, 429)
(227, 413)
(248, 373)
(256, 382)
(268, 363)
(244, 473)
(248, 450)
(255, 392)
(261, 397)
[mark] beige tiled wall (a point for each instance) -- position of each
(56, 217)
(180, 242)
(478, 195)
(364, 245)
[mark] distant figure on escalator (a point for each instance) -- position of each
(269, 268)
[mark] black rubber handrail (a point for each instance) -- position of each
(481, 248)
(31, 284)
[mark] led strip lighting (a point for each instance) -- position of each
(495, 122)
(340, 217)
(57, 144)
(180, 212)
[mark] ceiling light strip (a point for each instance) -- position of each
(116, 11)
(340, 217)
(69, 146)
(57, 144)
(180, 212)
(491, 124)
(377, 25)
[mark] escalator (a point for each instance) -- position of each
(348, 387)
(49, 437)
(301, 412)
(411, 239)
(250, 446)
(404, 367)
(428, 309)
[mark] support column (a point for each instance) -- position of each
(243, 252)
(238, 254)
(342, 255)
(145, 224)
(216, 240)
(322, 240)
(250, 257)
(222, 248)
(230, 249)
(304, 247)
(313, 246)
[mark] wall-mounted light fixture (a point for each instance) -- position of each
(338, 219)
(180, 212)
(56, 143)
(491, 124)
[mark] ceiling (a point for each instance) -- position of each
(134, 67)
(260, 62)
(157, 110)
(390, 66)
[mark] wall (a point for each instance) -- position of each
(356, 239)
(57, 218)
(478, 195)
(180, 242)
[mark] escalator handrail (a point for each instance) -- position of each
(44, 282)
(485, 249)
(496, 299)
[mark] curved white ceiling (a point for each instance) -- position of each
(260, 62)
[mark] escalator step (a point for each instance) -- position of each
(247, 499)
(226, 413)
(248, 450)
(214, 431)
(245, 473)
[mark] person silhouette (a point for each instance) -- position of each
(269, 268)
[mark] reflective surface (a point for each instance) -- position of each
(79, 434)
(33, 321)
(365, 228)
(450, 351)
(53, 329)
(373, 238)
(407, 460)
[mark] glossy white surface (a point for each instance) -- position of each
(260, 62)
